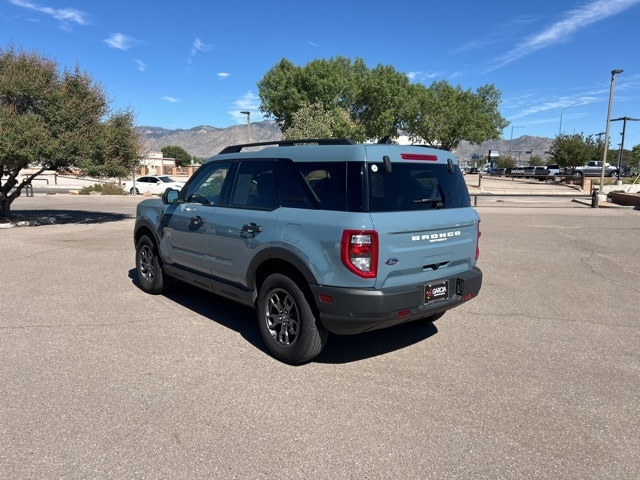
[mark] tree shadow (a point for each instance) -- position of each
(339, 348)
(62, 217)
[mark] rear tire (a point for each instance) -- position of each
(151, 277)
(134, 191)
(288, 325)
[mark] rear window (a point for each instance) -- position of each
(340, 186)
(416, 186)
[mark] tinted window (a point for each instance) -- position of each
(206, 186)
(294, 193)
(321, 185)
(416, 186)
(326, 182)
(254, 185)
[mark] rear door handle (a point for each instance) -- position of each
(196, 221)
(250, 230)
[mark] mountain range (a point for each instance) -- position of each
(205, 141)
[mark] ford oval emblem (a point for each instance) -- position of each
(391, 261)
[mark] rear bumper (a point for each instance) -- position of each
(354, 311)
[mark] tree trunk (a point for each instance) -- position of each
(5, 208)
(11, 183)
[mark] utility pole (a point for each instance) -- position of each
(606, 130)
(624, 128)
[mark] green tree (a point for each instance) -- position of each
(183, 158)
(313, 121)
(536, 161)
(574, 150)
(505, 162)
(286, 88)
(119, 149)
(377, 103)
(443, 115)
(635, 158)
(49, 119)
(310, 121)
(381, 101)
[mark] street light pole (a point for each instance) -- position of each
(511, 139)
(248, 114)
(606, 130)
(624, 128)
(561, 111)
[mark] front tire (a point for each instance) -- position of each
(151, 277)
(287, 323)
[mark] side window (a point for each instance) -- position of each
(291, 184)
(255, 185)
(206, 187)
(327, 182)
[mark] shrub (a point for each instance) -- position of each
(102, 189)
(610, 194)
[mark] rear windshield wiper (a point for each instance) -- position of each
(433, 201)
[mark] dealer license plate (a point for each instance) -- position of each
(436, 291)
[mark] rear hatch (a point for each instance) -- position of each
(423, 247)
(420, 208)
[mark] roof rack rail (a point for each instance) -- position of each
(289, 143)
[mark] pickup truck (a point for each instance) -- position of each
(594, 169)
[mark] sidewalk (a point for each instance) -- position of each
(488, 186)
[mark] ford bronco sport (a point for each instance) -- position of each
(319, 236)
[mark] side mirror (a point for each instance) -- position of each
(171, 196)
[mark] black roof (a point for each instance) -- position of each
(289, 143)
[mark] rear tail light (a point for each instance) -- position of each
(478, 242)
(359, 252)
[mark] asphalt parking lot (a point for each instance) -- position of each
(539, 377)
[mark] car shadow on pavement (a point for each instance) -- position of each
(339, 348)
(227, 313)
(61, 217)
(351, 348)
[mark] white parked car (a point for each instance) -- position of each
(154, 184)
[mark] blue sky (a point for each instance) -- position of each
(192, 63)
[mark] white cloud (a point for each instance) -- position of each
(249, 102)
(169, 99)
(120, 41)
(420, 76)
(223, 75)
(199, 46)
(64, 15)
(562, 29)
(141, 65)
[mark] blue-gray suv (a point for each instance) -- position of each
(319, 236)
